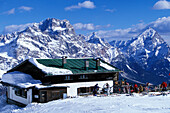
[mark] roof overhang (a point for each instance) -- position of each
(94, 73)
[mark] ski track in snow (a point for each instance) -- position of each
(116, 104)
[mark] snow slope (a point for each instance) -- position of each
(110, 104)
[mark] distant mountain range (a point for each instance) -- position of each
(145, 58)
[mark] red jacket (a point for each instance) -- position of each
(164, 84)
(135, 86)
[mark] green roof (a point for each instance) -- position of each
(77, 66)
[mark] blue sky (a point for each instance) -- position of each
(121, 19)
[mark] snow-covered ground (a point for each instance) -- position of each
(108, 104)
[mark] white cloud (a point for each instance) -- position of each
(162, 25)
(118, 34)
(162, 4)
(85, 4)
(89, 26)
(81, 26)
(14, 28)
(12, 11)
(25, 8)
(110, 10)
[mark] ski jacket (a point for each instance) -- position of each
(96, 86)
(164, 84)
(135, 86)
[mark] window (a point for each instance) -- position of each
(85, 90)
(21, 92)
(68, 78)
(55, 94)
(17, 91)
(83, 77)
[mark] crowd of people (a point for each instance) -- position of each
(123, 87)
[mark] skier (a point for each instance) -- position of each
(131, 89)
(127, 88)
(116, 87)
(107, 88)
(123, 86)
(96, 88)
(140, 88)
(147, 88)
(136, 88)
(163, 86)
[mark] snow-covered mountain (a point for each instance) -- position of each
(51, 38)
(144, 58)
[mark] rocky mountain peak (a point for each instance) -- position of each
(150, 32)
(93, 38)
(93, 35)
(52, 26)
(148, 39)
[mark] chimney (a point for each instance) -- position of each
(98, 63)
(86, 64)
(64, 61)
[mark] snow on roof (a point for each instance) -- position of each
(50, 70)
(20, 79)
(1, 73)
(106, 66)
(40, 86)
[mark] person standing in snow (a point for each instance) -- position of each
(96, 88)
(131, 89)
(116, 87)
(140, 88)
(122, 86)
(127, 88)
(164, 86)
(136, 88)
(107, 88)
(147, 88)
(156, 88)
